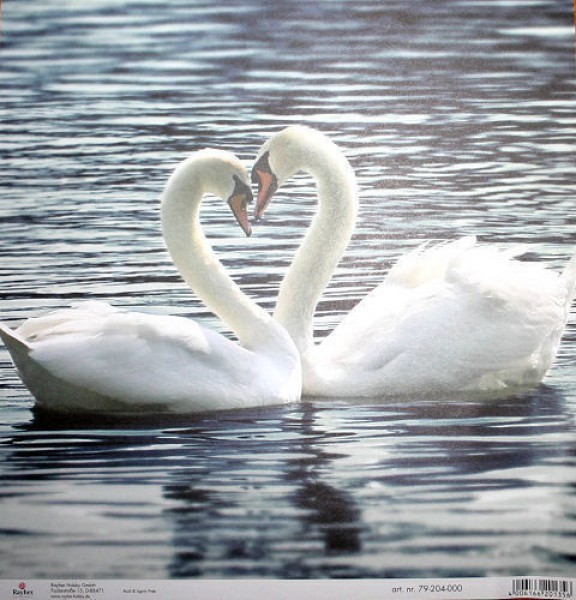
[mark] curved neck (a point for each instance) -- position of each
(200, 268)
(324, 243)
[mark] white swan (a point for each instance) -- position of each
(98, 359)
(447, 318)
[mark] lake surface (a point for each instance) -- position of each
(459, 117)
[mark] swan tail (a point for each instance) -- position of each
(49, 389)
(18, 348)
(16, 344)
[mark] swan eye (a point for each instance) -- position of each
(242, 189)
(262, 166)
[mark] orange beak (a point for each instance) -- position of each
(238, 203)
(267, 184)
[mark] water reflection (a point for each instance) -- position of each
(281, 503)
(300, 492)
(333, 511)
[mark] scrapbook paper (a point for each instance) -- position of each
(431, 454)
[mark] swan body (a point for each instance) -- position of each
(99, 359)
(448, 318)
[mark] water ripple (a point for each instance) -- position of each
(457, 117)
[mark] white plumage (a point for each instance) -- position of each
(99, 359)
(448, 318)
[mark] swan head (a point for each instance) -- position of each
(280, 157)
(225, 176)
(220, 173)
(285, 153)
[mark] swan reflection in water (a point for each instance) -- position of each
(323, 488)
(335, 488)
(288, 512)
(260, 549)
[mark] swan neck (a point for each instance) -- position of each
(323, 245)
(199, 266)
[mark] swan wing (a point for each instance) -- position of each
(478, 319)
(409, 282)
(140, 360)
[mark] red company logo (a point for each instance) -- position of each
(21, 590)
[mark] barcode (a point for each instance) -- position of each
(542, 588)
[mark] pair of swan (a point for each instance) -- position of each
(449, 318)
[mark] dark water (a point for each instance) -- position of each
(458, 117)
